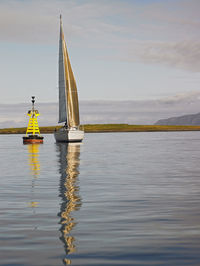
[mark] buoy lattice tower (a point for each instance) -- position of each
(33, 128)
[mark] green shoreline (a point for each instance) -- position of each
(103, 128)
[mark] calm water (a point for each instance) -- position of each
(116, 199)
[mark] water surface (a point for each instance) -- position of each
(115, 199)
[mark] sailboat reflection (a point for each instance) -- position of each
(69, 193)
(34, 163)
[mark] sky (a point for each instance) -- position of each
(144, 51)
(119, 49)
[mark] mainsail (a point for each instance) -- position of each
(68, 96)
(62, 82)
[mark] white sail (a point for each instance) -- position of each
(68, 95)
(62, 81)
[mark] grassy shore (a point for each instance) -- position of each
(108, 128)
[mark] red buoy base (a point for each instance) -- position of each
(32, 139)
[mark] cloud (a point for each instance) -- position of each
(187, 98)
(37, 21)
(183, 55)
(179, 13)
(27, 21)
(92, 112)
(160, 33)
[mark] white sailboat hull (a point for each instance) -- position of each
(68, 135)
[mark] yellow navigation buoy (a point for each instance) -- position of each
(33, 128)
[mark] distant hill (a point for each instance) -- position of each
(185, 120)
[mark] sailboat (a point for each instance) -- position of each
(68, 98)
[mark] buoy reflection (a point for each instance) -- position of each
(34, 165)
(33, 152)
